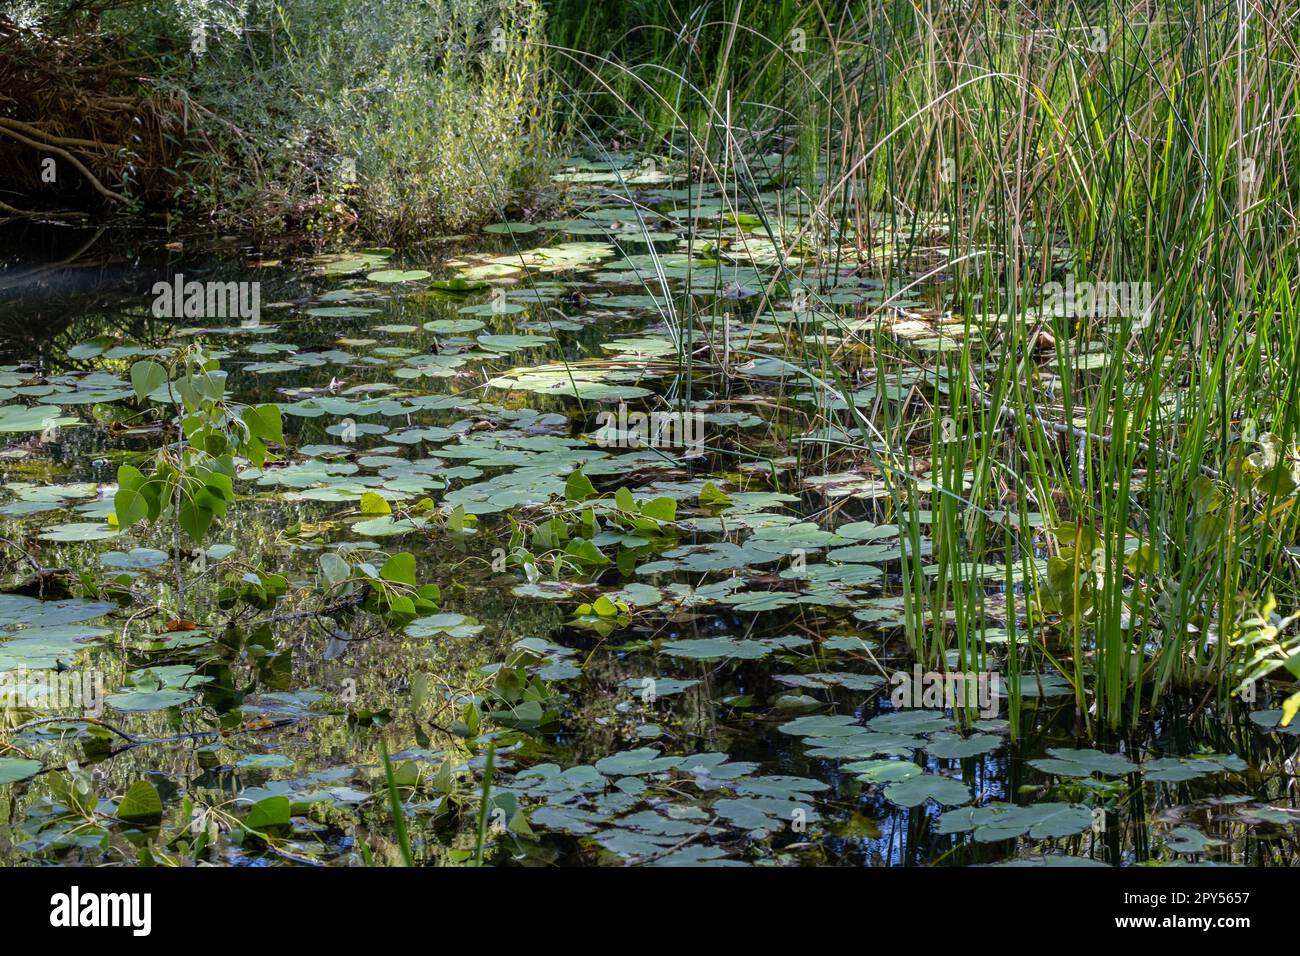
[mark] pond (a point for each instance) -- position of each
(687, 610)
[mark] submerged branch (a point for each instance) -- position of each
(347, 604)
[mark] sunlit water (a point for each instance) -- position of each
(705, 726)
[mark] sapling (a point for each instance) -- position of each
(192, 479)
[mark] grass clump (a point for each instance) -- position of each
(1131, 465)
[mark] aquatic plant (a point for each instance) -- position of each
(888, 458)
(1094, 391)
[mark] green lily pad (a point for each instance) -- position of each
(269, 813)
(137, 559)
(716, 648)
(138, 701)
(1083, 763)
(914, 791)
(955, 747)
(1271, 721)
(883, 771)
(827, 725)
(32, 418)
(1002, 821)
(512, 343)
(398, 275)
(78, 531)
(1179, 769)
(13, 769)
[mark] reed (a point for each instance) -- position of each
(1113, 487)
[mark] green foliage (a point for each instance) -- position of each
(268, 814)
(603, 615)
(566, 537)
(519, 697)
(401, 118)
(1074, 575)
(141, 804)
(1093, 503)
(281, 118)
(1267, 643)
(395, 806)
(391, 590)
(258, 589)
(194, 483)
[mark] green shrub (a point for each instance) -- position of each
(407, 116)
(398, 117)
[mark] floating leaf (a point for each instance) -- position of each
(1083, 763)
(397, 275)
(78, 531)
(268, 813)
(1178, 769)
(1001, 821)
(13, 769)
(914, 791)
(31, 418)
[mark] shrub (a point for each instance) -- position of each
(408, 116)
(399, 117)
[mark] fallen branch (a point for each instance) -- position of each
(75, 720)
(76, 163)
(31, 130)
(1060, 428)
(134, 742)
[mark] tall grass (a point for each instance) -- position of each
(395, 807)
(1131, 473)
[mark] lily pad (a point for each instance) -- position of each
(1001, 821)
(13, 769)
(1083, 763)
(914, 791)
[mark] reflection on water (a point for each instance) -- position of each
(701, 722)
